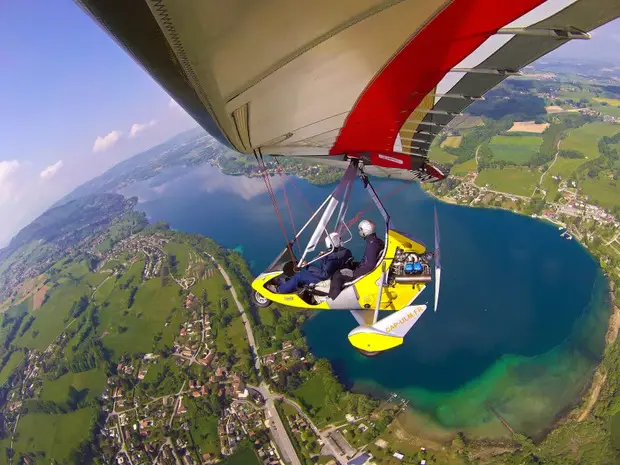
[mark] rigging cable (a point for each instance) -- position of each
(363, 210)
(288, 205)
(261, 164)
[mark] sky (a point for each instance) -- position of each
(74, 104)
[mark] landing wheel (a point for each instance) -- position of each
(260, 301)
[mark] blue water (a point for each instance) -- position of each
(522, 312)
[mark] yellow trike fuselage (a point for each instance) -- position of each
(363, 292)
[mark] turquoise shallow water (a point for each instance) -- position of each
(521, 317)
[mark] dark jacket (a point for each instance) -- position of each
(374, 248)
(328, 265)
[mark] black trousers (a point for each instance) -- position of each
(337, 283)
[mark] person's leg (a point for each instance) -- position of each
(298, 280)
(337, 283)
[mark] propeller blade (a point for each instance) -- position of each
(436, 255)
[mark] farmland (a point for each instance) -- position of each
(510, 180)
(515, 149)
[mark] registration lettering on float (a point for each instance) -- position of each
(404, 319)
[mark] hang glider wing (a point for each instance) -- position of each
(375, 79)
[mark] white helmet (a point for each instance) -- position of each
(366, 228)
(333, 238)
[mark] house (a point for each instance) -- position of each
(183, 332)
(190, 298)
(359, 460)
(271, 358)
(398, 456)
(186, 353)
(287, 345)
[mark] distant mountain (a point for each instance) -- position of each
(49, 237)
(189, 148)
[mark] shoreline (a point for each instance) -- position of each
(586, 402)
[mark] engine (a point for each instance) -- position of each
(409, 267)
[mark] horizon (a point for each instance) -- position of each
(98, 107)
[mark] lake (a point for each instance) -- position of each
(522, 312)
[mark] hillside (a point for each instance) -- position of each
(60, 232)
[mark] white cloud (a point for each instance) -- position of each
(106, 142)
(7, 180)
(137, 127)
(51, 170)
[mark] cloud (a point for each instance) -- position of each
(7, 180)
(173, 104)
(51, 170)
(136, 128)
(106, 142)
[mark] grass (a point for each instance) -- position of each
(131, 330)
(441, 156)
(56, 435)
(464, 168)
(181, 252)
(244, 456)
(452, 141)
(14, 360)
(203, 429)
(50, 318)
(610, 101)
(607, 109)
(605, 191)
(94, 279)
(585, 138)
(57, 390)
(516, 149)
(311, 394)
(170, 384)
(510, 180)
(469, 122)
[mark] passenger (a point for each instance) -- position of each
(374, 247)
(320, 270)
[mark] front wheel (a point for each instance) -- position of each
(260, 300)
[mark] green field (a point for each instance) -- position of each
(203, 428)
(515, 149)
(464, 168)
(452, 141)
(57, 435)
(614, 102)
(311, 395)
(606, 192)
(585, 138)
(510, 180)
(163, 377)
(131, 330)
(467, 122)
(441, 156)
(93, 381)
(50, 318)
(181, 252)
(244, 456)
(14, 360)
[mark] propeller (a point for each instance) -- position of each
(437, 263)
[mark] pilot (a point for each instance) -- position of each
(374, 247)
(322, 269)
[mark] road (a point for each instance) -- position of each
(276, 426)
(244, 318)
(278, 431)
(540, 181)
